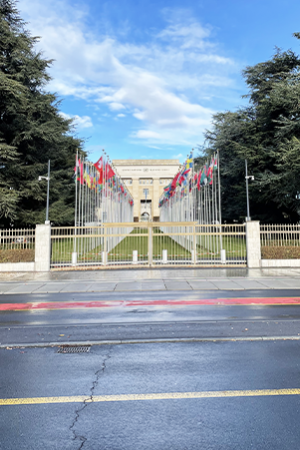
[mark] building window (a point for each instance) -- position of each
(127, 180)
(165, 181)
(146, 181)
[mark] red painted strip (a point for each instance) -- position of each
(123, 303)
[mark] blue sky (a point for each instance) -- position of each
(142, 78)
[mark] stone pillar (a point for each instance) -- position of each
(135, 190)
(165, 256)
(134, 256)
(42, 248)
(223, 256)
(150, 246)
(253, 244)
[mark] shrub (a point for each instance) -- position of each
(17, 255)
(278, 252)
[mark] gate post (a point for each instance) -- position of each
(194, 252)
(42, 248)
(150, 244)
(253, 244)
(104, 253)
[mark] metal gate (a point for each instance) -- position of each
(148, 244)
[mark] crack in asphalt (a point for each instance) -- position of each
(88, 400)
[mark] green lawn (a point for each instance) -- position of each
(88, 251)
(63, 248)
(123, 251)
(207, 246)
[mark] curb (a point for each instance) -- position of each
(151, 341)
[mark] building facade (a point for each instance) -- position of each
(146, 179)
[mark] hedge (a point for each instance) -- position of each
(277, 252)
(17, 255)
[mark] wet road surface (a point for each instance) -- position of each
(95, 317)
(262, 413)
(240, 389)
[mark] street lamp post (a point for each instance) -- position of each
(47, 221)
(248, 218)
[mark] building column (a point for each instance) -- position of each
(253, 244)
(42, 248)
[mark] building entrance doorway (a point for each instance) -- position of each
(145, 217)
(145, 211)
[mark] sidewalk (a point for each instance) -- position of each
(126, 280)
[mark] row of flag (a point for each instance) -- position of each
(104, 176)
(186, 182)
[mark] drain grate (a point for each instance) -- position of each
(74, 349)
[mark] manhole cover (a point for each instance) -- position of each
(74, 349)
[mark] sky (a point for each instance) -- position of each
(143, 78)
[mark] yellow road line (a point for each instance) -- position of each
(162, 396)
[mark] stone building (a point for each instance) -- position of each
(146, 179)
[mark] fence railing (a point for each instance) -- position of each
(206, 244)
(280, 241)
(147, 244)
(17, 245)
(91, 245)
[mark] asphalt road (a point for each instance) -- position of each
(235, 387)
(95, 317)
(135, 397)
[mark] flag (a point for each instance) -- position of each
(209, 173)
(99, 167)
(174, 182)
(182, 179)
(203, 179)
(99, 164)
(109, 173)
(215, 162)
(87, 178)
(199, 179)
(189, 162)
(77, 164)
(80, 172)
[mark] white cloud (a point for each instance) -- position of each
(184, 30)
(114, 106)
(161, 84)
(147, 134)
(79, 122)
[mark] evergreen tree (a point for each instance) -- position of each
(267, 134)
(31, 132)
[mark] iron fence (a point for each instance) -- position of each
(15, 239)
(280, 241)
(206, 245)
(17, 245)
(147, 244)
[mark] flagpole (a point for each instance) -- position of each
(219, 189)
(75, 221)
